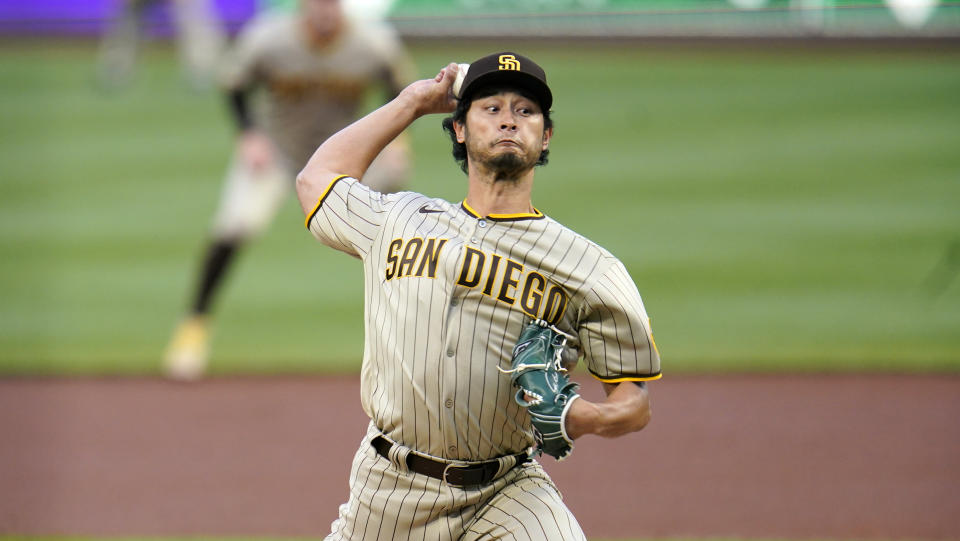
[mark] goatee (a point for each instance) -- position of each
(507, 166)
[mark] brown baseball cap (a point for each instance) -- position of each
(511, 69)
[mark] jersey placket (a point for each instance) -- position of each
(480, 228)
(474, 234)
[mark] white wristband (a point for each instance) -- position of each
(563, 419)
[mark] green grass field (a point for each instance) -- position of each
(779, 210)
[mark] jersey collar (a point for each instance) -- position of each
(535, 215)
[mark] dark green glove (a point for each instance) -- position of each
(544, 387)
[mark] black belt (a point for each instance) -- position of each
(478, 473)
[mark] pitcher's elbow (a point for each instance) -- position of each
(303, 183)
(308, 190)
(643, 419)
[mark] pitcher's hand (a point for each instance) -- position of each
(430, 96)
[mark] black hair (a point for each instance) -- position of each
(460, 116)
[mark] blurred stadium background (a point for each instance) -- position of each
(557, 18)
(782, 179)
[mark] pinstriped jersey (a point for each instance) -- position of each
(447, 293)
(312, 90)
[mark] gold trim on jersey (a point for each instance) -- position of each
(629, 378)
(652, 341)
(322, 198)
(535, 215)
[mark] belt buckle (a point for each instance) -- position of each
(446, 471)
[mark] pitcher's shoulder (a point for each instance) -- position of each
(573, 240)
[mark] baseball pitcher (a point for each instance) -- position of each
(474, 312)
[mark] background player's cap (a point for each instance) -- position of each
(509, 68)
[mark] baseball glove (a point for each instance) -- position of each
(544, 387)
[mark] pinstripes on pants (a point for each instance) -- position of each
(388, 503)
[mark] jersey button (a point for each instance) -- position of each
(454, 302)
(448, 403)
(474, 240)
(452, 449)
(449, 353)
(482, 223)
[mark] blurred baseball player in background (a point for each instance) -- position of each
(314, 67)
(200, 38)
(449, 288)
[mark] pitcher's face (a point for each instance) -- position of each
(504, 133)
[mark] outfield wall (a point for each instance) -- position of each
(684, 18)
(557, 18)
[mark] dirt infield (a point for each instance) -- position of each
(748, 456)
